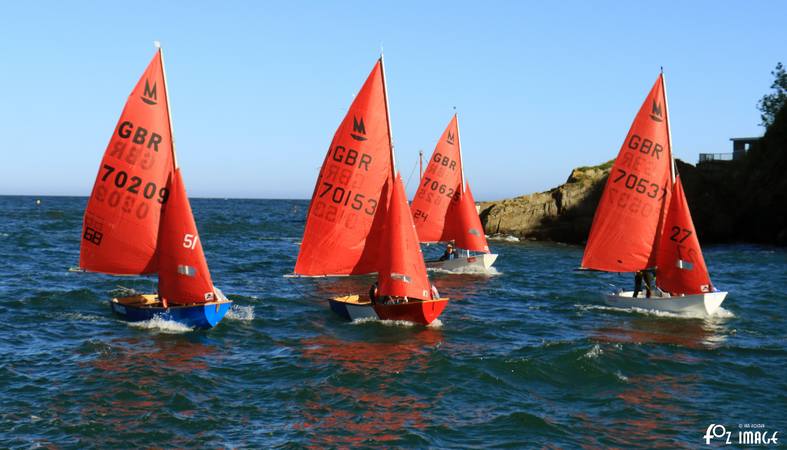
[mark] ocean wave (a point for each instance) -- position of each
(79, 317)
(594, 352)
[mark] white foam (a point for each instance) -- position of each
(437, 323)
(388, 323)
(82, 317)
(720, 313)
(162, 325)
(594, 352)
(503, 238)
(238, 312)
(621, 377)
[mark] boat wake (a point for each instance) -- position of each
(238, 312)
(162, 326)
(720, 313)
(388, 323)
(469, 270)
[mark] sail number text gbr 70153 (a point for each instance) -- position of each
(339, 185)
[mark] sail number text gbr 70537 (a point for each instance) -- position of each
(641, 159)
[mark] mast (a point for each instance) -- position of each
(169, 111)
(388, 117)
(420, 164)
(459, 143)
(672, 168)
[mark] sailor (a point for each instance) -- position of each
(373, 293)
(647, 274)
(450, 253)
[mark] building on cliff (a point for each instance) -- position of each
(740, 146)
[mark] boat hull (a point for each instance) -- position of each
(353, 307)
(136, 308)
(481, 261)
(699, 304)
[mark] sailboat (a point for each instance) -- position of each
(138, 219)
(444, 210)
(643, 220)
(359, 222)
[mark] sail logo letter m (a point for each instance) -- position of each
(149, 95)
(655, 113)
(359, 130)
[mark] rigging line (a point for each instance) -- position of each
(411, 174)
(297, 288)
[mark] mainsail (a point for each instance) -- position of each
(121, 222)
(627, 223)
(681, 267)
(347, 198)
(138, 218)
(443, 208)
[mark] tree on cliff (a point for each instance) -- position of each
(770, 104)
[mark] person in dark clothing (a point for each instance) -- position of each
(450, 253)
(373, 293)
(647, 275)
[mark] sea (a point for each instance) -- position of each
(525, 356)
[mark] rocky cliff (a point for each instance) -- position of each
(730, 201)
(562, 214)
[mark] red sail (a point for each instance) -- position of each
(183, 272)
(402, 272)
(627, 221)
(681, 267)
(463, 225)
(441, 210)
(347, 196)
(121, 221)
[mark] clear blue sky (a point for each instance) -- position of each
(258, 88)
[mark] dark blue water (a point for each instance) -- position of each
(528, 357)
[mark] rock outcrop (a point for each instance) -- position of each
(562, 214)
